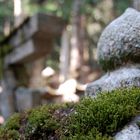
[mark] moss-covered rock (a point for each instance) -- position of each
(119, 43)
(90, 119)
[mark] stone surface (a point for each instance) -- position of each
(27, 98)
(119, 50)
(130, 132)
(119, 54)
(37, 26)
(33, 39)
(123, 77)
(7, 104)
(119, 43)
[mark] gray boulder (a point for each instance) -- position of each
(119, 43)
(123, 77)
(130, 131)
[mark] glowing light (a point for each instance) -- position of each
(67, 87)
(1, 89)
(67, 90)
(47, 72)
(17, 7)
(70, 98)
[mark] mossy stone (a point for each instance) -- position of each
(90, 119)
(119, 43)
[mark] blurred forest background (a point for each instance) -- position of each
(85, 19)
(73, 53)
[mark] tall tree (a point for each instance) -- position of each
(64, 56)
(76, 58)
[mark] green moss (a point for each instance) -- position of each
(41, 122)
(113, 62)
(107, 64)
(11, 129)
(89, 119)
(4, 50)
(106, 114)
(13, 122)
(9, 135)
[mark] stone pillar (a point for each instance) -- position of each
(36, 80)
(7, 96)
(27, 98)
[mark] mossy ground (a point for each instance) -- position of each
(90, 119)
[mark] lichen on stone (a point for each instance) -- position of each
(119, 43)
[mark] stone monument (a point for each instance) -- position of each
(119, 54)
(30, 41)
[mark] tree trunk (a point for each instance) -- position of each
(76, 59)
(64, 56)
(136, 4)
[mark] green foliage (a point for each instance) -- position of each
(3, 52)
(6, 14)
(9, 8)
(121, 5)
(59, 8)
(98, 118)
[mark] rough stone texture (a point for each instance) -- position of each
(9, 83)
(119, 50)
(27, 98)
(120, 41)
(130, 132)
(33, 39)
(123, 77)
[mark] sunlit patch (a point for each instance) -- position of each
(1, 89)
(68, 90)
(70, 98)
(48, 71)
(69, 27)
(17, 9)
